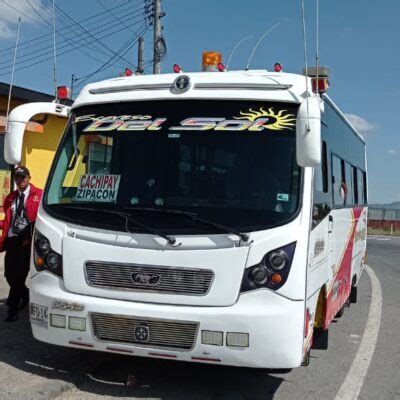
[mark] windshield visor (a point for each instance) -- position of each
(230, 162)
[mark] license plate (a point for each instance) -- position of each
(39, 314)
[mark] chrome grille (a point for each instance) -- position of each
(162, 333)
(151, 278)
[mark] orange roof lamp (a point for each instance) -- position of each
(319, 79)
(212, 62)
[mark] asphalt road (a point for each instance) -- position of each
(33, 370)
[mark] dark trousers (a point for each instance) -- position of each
(16, 265)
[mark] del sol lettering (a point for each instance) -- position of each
(145, 123)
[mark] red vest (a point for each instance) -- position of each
(31, 209)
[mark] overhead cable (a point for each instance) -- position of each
(44, 52)
(94, 20)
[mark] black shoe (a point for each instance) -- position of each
(11, 317)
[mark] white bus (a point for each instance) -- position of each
(215, 217)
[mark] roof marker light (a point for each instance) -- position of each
(221, 67)
(176, 68)
(278, 67)
(128, 72)
(63, 93)
(319, 78)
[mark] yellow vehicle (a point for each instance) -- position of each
(33, 134)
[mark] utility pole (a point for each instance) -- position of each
(157, 36)
(140, 67)
(73, 78)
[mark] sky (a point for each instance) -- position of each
(358, 41)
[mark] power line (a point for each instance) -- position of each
(97, 49)
(94, 18)
(115, 16)
(46, 59)
(89, 33)
(18, 11)
(62, 35)
(124, 49)
(44, 51)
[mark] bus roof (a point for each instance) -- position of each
(232, 85)
(251, 85)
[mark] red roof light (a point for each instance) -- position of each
(221, 67)
(176, 68)
(278, 67)
(63, 93)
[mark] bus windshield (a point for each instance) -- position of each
(230, 162)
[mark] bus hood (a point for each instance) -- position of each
(204, 277)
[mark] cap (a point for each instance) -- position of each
(21, 171)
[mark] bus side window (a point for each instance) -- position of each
(365, 199)
(349, 184)
(360, 186)
(338, 184)
(322, 202)
(355, 185)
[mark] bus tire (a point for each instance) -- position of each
(340, 312)
(353, 294)
(321, 337)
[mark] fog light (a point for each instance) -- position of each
(212, 337)
(77, 324)
(237, 339)
(58, 321)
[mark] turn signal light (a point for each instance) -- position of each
(276, 278)
(39, 261)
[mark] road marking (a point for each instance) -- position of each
(354, 380)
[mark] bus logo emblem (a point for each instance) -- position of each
(181, 84)
(142, 333)
(145, 279)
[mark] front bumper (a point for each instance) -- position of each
(274, 324)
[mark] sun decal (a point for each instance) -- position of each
(270, 119)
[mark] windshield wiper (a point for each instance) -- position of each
(194, 217)
(170, 239)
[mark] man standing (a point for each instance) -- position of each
(20, 208)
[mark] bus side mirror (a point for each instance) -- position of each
(308, 133)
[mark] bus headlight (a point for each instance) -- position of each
(259, 275)
(278, 259)
(271, 272)
(52, 260)
(43, 245)
(44, 257)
